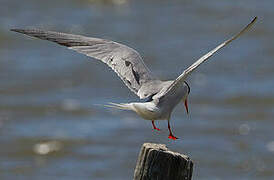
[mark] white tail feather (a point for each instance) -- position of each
(123, 106)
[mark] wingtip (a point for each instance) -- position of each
(15, 30)
(25, 31)
(18, 30)
(254, 19)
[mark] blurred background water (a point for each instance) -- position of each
(51, 126)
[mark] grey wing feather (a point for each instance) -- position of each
(180, 80)
(125, 61)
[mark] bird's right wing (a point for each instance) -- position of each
(125, 61)
(180, 80)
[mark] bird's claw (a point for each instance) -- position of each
(157, 129)
(172, 137)
(154, 127)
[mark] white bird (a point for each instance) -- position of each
(162, 96)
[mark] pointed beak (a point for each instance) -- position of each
(186, 106)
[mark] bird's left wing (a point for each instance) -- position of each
(180, 80)
(125, 61)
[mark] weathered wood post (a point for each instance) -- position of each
(156, 162)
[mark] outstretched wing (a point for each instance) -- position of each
(125, 61)
(180, 80)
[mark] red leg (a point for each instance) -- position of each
(171, 136)
(154, 127)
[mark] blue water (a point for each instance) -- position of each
(51, 96)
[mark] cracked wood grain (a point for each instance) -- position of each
(156, 162)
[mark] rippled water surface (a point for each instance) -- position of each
(52, 124)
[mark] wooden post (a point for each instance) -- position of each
(156, 162)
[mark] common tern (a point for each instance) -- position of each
(162, 96)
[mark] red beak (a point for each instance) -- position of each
(186, 105)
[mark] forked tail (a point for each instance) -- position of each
(123, 106)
